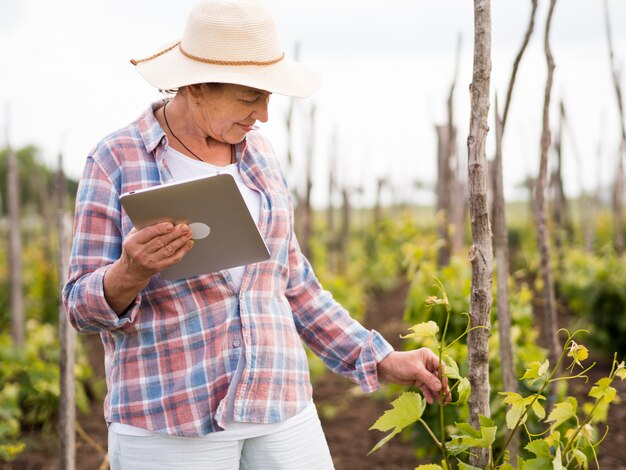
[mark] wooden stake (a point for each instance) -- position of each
(67, 338)
(618, 186)
(481, 251)
(16, 281)
(501, 250)
(550, 317)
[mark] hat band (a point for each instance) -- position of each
(209, 61)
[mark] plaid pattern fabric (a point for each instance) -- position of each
(170, 357)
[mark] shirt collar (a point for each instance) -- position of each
(149, 128)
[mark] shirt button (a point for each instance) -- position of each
(236, 343)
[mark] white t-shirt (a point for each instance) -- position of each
(182, 168)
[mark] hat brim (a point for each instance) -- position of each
(171, 70)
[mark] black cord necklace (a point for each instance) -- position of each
(233, 158)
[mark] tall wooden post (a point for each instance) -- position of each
(481, 251)
(344, 236)
(501, 251)
(618, 186)
(67, 337)
(444, 184)
(331, 238)
(550, 316)
(16, 281)
(306, 211)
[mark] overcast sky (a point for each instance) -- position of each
(386, 68)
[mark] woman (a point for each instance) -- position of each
(210, 372)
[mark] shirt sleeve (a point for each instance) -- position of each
(97, 243)
(344, 345)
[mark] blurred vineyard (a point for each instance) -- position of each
(377, 252)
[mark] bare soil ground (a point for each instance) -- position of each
(346, 414)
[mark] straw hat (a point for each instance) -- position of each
(228, 41)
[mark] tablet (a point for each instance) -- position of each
(224, 231)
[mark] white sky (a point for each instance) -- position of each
(67, 82)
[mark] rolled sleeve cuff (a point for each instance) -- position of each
(97, 315)
(376, 349)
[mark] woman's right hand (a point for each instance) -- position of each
(150, 250)
(145, 252)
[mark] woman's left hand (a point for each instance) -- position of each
(419, 367)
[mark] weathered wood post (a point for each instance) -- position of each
(306, 211)
(67, 336)
(16, 281)
(481, 251)
(501, 251)
(543, 242)
(618, 186)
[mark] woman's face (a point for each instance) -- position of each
(227, 112)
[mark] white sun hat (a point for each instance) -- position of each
(228, 41)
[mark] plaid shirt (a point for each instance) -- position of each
(170, 357)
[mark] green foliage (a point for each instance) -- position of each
(595, 289)
(39, 275)
(423, 269)
(29, 384)
(568, 436)
(10, 414)
(384, 245)
(36, 180)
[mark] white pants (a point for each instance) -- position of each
(302, 447)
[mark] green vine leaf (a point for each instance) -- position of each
(466, 466)
(603, 390)
(604, 395)
(543, 460)
(518, 407)
(514, 414)
(407, 409)
(538, 408)
(540, 463)
(536, 371)
(557, 463)
(581, 459)
(467, 436)
(429, 466)
(539, 447)
(621, 371)
(452, 369)
(465, 389)
(427, 329)
(562, 412)
(506, 466)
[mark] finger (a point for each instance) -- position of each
(157, 265)
(169, 243)
(429, 379)
(431, 362)
(181, 252)
(150, 232)
(427, 394)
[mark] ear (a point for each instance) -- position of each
(195, 90)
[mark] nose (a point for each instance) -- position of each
(261, 112)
